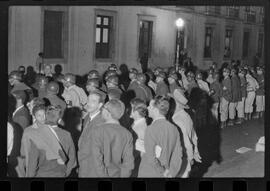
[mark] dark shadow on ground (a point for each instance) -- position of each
(207, 129)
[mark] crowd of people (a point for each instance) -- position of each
(124, 123)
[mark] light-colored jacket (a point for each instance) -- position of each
(75, 95)
(182, 119)
(165, 135)
(252, 84)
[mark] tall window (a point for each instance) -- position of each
(145, 38)
(228, 43)
(245, 44)
(260, 44)
(261, 15)
(53, 34)
(103, 36)
(250, 14)
(213, 10)
(208, 42)
(233, 11)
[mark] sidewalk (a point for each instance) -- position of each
(249, 164)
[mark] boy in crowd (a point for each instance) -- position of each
(241, 104)
(236, 96)
(260, 94)
(252, 86)
(226, 97)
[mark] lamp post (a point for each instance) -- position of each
(179, 24)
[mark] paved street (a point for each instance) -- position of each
(233, 164)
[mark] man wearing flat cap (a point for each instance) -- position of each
(112, 144)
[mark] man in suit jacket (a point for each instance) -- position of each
(91, 122)
(112, 144)
(21, 115)
(163, 136)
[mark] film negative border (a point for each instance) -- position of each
(140, 185)
(230, 184)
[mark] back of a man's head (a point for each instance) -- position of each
(162, 104)
(116, 108)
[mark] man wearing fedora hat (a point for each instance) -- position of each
(112, 144)
(183, 120)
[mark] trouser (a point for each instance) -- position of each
(232, 108)
(214, 110)
(187, 171)
(249, 101)
(224, 104)
(241, 108)
(260, 103)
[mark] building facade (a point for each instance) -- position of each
(81, 38)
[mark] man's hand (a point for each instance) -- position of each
(191, 162)
(197, 157)
(167, 174)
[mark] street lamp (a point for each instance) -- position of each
(179, 24)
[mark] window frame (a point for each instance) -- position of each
(112, 34)
(65, 34)
(230, 30)
(262, 44)
(150, 38)
(246, 56)
(101, 26)
(142, 17)
(211, 41)
(236, 12)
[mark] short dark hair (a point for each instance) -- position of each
(38, 107)
(38, 101)
(162, 103)
(139, 105)
(20, 95)
(100, 94)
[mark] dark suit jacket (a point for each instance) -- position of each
(22, 118)
(85, 153)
